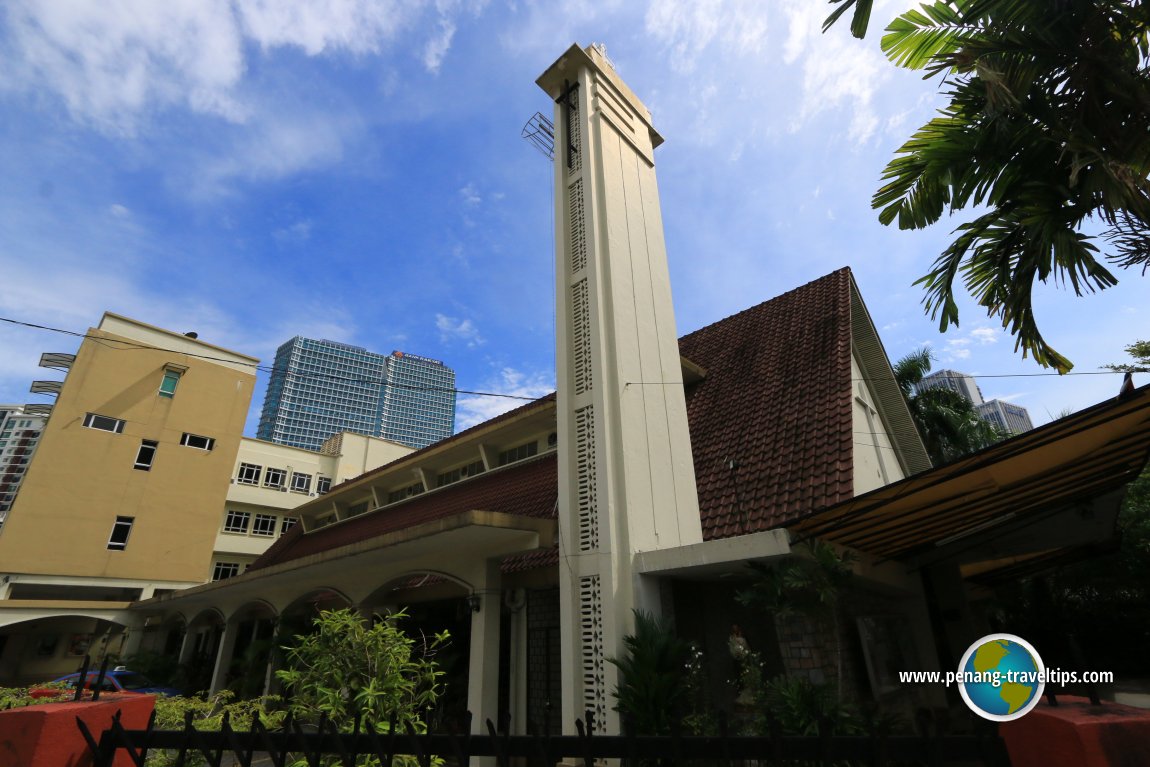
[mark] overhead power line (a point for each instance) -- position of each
(124, 345)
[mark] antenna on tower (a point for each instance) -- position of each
(541, 133)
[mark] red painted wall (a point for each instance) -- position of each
(47, 735)
(1076, 734)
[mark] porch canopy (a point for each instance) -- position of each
(1046, 496)
(457, 547)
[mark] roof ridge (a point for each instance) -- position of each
(842, 271)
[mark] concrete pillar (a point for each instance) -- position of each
(275, 660)
(224, 654)
(483, 663)
(518, 667)
(188, 646)
(132, 637)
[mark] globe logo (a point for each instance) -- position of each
(1001, 677)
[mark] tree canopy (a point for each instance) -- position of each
(1140, 351)
(947, 421)
(1045, 136)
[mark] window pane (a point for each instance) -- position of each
(301, 483)
(103, 423)
(118, 540)
(249, 474)
(265, 524)
(274, 477)
(237, 522)
(224, 570)
(146, 455)
(197, 441)
(168, 385)
(322, 485)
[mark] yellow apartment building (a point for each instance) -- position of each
(142, 485)
(123, 499)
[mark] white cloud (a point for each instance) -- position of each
(470, 195)
(454, 329)
(276, 147)
(984, 335)
(300, 231)
(838, 70)
(475, 409)
(319, 26)
(690, 27)
(437, 47)
(114, 63)
(956, 349)
(119, 211)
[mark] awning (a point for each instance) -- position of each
(1070, 469)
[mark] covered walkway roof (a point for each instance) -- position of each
(1049, 490)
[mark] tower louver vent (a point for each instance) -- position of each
(585, 478)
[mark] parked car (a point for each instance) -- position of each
(120, 679)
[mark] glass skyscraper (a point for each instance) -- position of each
(319, 388)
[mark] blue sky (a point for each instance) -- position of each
(353, 170)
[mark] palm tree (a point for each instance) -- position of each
(1043, 138)
(949, 424)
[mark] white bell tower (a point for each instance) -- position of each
(626, 475)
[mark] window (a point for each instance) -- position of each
(224, 570)
(168, 384)
(274, 477)
(265, 524)
(301, 483)
(404, 492)
(470, 470)
(146, 454)
(104, 423)
(118, 540)
(249, 474)
(322, 485)
(287, 524)
(237, 521)
(196, 441)
(355, 509)
(518, 453)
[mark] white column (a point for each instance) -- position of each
(224, 654)
(483, 663)
(188, 646)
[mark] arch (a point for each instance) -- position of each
(434, 585)
(317, 599)
(206, 617)
(43, 648)
(256, 608)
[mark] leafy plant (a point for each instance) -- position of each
(801, 707)
(348, 669)
(813, 585)
(18, 697)
(652, 688)
(207, 715)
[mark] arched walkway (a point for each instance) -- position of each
(43, 649)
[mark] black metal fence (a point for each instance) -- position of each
(286, 745)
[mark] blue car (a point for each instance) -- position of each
(120, 679)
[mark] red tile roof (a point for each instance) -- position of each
(776, 401)
(527, 488)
